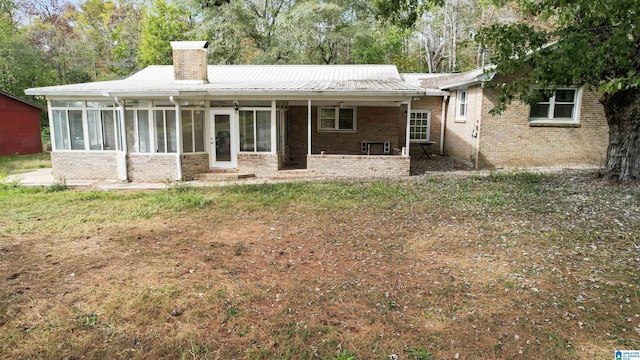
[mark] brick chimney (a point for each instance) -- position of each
(190, 62)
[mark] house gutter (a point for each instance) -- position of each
(178, 139)
(121, 161)
(443, 122)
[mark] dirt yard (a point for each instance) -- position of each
(479, 267)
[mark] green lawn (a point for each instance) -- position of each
(504, 265)
(14, 164)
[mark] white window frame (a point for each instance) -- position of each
(101, 125)
(254, 111)
(551, 119)
(336, 121)
(462, 104)
(163, 121)
(412, 126)
(84, 109)
(192, 110)
(135, 147)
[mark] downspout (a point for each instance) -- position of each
(178, 139)
(443, 122)
(123, 172)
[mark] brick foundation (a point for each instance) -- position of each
(84, 165)
(152, 167)
(358, 166)
(194, 164)
(262, 165)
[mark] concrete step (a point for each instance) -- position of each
(292, 174)
(222, 175)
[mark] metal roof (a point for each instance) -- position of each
(251, 80)
(26, 102)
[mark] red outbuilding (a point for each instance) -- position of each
(19, 126)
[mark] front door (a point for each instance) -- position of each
(223, 134)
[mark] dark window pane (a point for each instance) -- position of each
(565, 95)
(246, 131)
(263, 130)
(187, 131)
(198, 129)
(160, 139)
(563, 111)
(539, 111)
(75, 128)
(346, 119)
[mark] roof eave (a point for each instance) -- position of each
(227, 93)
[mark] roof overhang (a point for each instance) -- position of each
(399, 95)
(474, 77)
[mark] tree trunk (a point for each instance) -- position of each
(622, 110)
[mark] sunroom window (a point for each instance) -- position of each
(165, 126)
(192, 130)
(77, 125)
(101, 121)
(255, 130)
(138, 131)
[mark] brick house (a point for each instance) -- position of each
(567, 129)
(197, 120)
(19, 126)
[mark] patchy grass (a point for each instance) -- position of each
(499, 266)
(20, 163)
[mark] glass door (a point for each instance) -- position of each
(223, 150)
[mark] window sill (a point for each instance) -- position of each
(554, 123)
(461, 121)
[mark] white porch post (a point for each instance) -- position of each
(123, 172)
(52, 131)
(178, 139)
(408, 136)
(274, 127)
(309, 127)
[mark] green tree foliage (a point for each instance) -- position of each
(318, 33)
(21, 65)
(52, 32)
(582, 42)
(164, 22)
(125, 37)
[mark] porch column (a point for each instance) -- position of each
(309, 127)
(178, 139)
(123, 172)
(408, 136)
(274, 128)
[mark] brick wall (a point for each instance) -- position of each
(434, 104)
(298, 134)
(372, 124)
(358, 166)
(262, 165)
(152, 167)
(458, 140)
(75, 165)
(194, 164)
(507, 140)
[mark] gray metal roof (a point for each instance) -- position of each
(251, 80)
